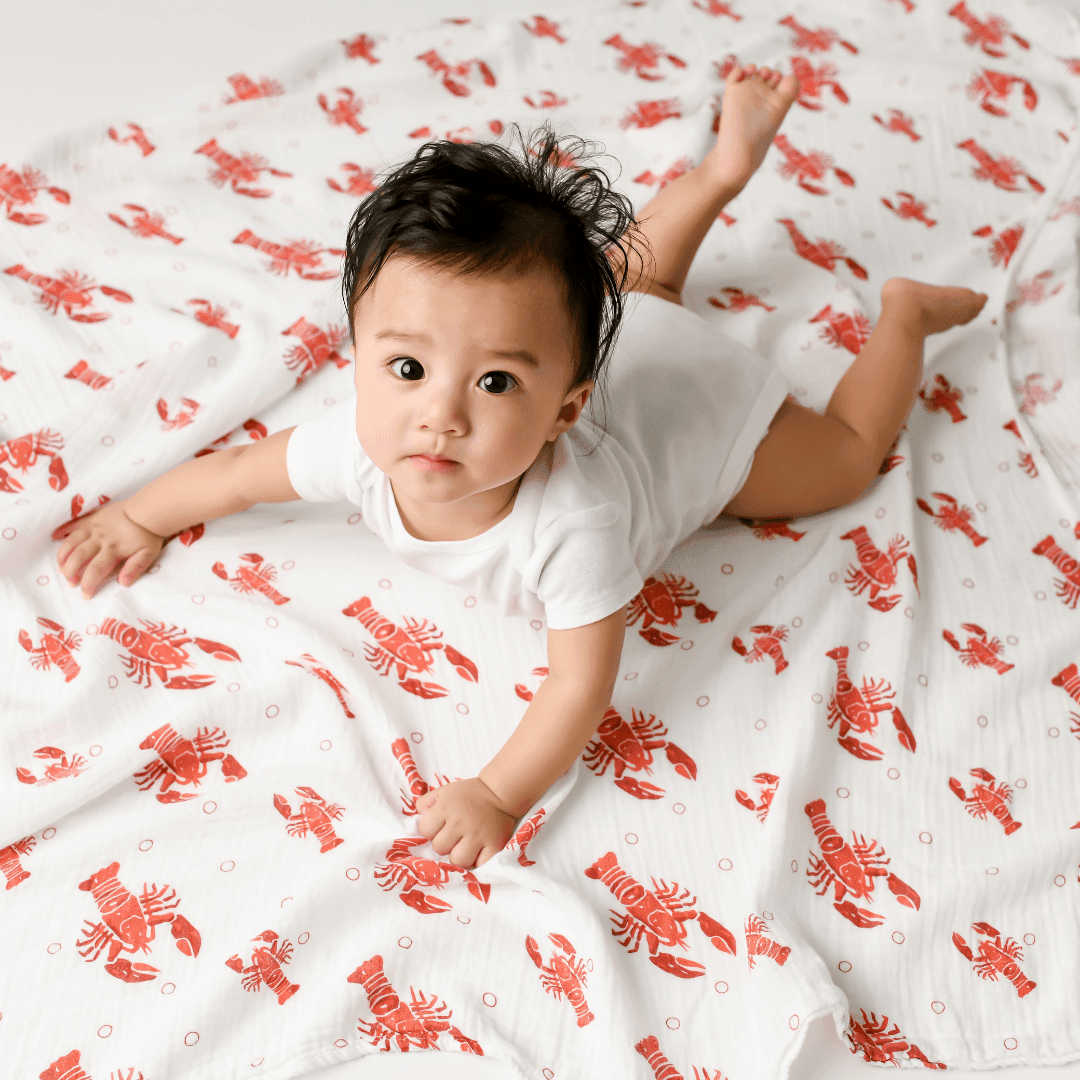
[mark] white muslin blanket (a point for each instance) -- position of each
(839, 775)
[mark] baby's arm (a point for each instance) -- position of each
(131, 532)
(471, 820)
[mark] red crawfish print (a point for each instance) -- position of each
(1003, 246)
(952, 517)
(67, 1067)
(452, 73)
(315, 816)
(183, 761)
(361, 47)
(657, 915)
(825, 253)
(345, 112)
(987, 798)
(1025, 459)
(851, 869)
(136, 135)
(648, 114)
(1068, 206)
(716, 8)
(317, 347)
(877, 569)
(563, 975)
(738, 300)
(813, 80)
(417, 1024)
(857, 710)
(909, 208)
(146, 224)
(210, 314)
(820, 40)
(767, 642)
(649, 1047)
(408, 648)
(661, 600)
(358, 180)
(980, 649)
(546, 99)
(247, 89)
(875, 1043)
(649, 178)
(1034, 291)
(1068, 586)
(69, 290)
(185, 413)
(644, 59)
(158, 649)
(526, 832)
(758, 944)
(1031, 390)
(129, 924)
(255, 429)
(842, 330)
(409, 872)
(417, 784)
(303, 256)
(899, 121)
(944, 397)
(767, 784)
(986, 86)
(543, 27)
(59, 768)
(54, 648)
(267, 960)
(239, 172)
(5, 374)
(630, 747)
(814, 165)
(253, 578)
(10, 866)
(1069, 681)
(1001, 172)
(996, 957)
(84, 373)
(21, 188)
(312, 666)
(989, 35)
(770, 530)
(24, 453)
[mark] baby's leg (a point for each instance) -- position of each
(809, 463)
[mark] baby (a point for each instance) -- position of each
(484, 296)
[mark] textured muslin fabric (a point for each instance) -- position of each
(839, 772)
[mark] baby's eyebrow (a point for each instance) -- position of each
(523, 355)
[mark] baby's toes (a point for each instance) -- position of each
(789, 87)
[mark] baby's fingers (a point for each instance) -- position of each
(98, 571)
(136, 566)
(71, 564)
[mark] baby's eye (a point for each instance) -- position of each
(415, 370)
(494, 379)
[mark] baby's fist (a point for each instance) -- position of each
(101, 542)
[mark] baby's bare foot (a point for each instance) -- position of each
(941, 306)
(755, 103)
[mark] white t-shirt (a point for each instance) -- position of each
(687, 407)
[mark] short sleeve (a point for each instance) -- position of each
(324, 457)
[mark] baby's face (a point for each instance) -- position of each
(435, 375)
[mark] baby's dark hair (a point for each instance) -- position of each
(481, 208)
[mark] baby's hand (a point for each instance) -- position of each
(465, 821)
(100, 542)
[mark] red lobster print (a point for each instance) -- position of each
(55, 648)
(649, 1047)
(1034, 291)
(878, 1044)
(158, 649)
(987, 798)
(770, 530)
(82, 372)
(523, 691)
(59, 768)
(952, 517)
(439, 66)
(630, 746)
(185, 413)
(813, 80)
(842, 330)
(996, 957)
(716, 8)
(767, 642)
(418, 1024)
(10, 866)
(1003, 246)
(24, 453)
(317, 347)
(210, 314)
(69, 290)
(361, 47)
(989, 35)
(672, 173)
(547, 99)
(1031, 390)
(805, 167)
(1068, 678)
(411, 871)
(183, 761)
(910, 209)
(648, 114)
(146, 224)
(857, 709)
(303, 256)
(900, 122)
(980, 649)
(851, 869)
(239, 172)
(1068, 586)
(758, 944)
(658, 916)
(563, 975)
(417, 784)
(312, 666)
(987, 84)
(767, 783)
(254, 578)
(129, 924)
(315, 816)
(1025, 459)
(644, 59)
(247, 89)
(1001, 172)
(21, 188)
(877, 569)
(408, 648)
(358, 180)
(526, 832)
(825, 253)
(265, 967)
(820, 40)
(135, 135)
(661, 601)
(944, 397)
(738, 300)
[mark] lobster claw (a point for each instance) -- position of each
(738, 646)
(766, 778)
(49, 624)
(885, 603)
(904, 733)
(745, 800)
(219, 569)
(862, 917)
(480, 889)
(25, 776)
(426, 690)
(310, 793)
(174, 797)
(520, 689)
(426, 905)
(232, 770)
(27, 219)
(189, 682)
(282, 807)
(913, 567)
(957, 788)
(235, 962)
(563, 943)
(462, 664)
(962, 946)
(117, 294)
(655, 636)
(676, 965)
(985, 928)
(950, 637)
(58, 477)
(189, 536)
(639, 789)
(51, 752)
(216, 649)
(124, 970)
(97, 316)
(704, 614)
(903, 892)
(721, 937)
(188, 939)
(533, 951)
(26, 641)
(861, 750)
(683, 762)
(162, 405)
